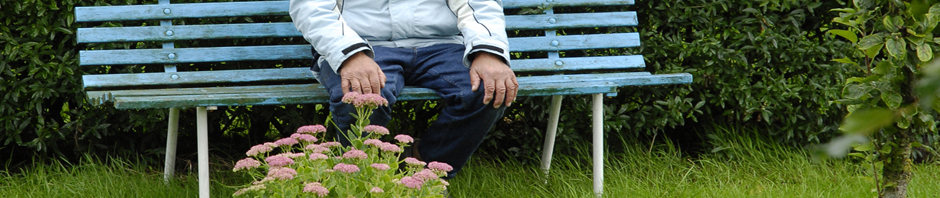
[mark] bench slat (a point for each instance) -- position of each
(260, 8)
(107, 81)
(577, 63)
(294, 52)
(286, 29)
(316, 94)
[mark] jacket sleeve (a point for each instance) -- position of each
(321, 23)
(483, 26)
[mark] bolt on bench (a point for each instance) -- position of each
(180, 87)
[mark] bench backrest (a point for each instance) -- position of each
(549, 47)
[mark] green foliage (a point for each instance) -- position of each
(897, 42)
(760, 64)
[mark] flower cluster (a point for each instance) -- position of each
(304, 164)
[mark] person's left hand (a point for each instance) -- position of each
(499, 82)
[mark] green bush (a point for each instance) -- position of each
(760, 64)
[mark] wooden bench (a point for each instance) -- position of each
(180, 87)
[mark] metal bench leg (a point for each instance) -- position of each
(202, 137)
(549, 146)
(598, 127)
(169, 165)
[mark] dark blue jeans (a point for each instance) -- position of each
(459, 128)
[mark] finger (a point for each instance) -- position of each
(354, 85)
(376, 86)
(382, 79)
(500, 93)
(489, 86)
(512, 89)
(345, 86)
(474, 80)
(366, 85)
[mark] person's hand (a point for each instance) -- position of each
(361, 74)
(499, 82)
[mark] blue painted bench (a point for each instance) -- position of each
(180, 87)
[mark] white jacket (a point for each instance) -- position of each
(337, 29)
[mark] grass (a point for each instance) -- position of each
(744, 166)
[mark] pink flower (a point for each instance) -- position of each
(368, 101)
(292, 155)
(440, 166)
(316, 187)
(404, 138)
(413, 161)
(282, 173)
(258, 149)
(317, 156)
(357, 154)
(411, 182)
(426, 175)
(373, 142)
(246, 164)
(376, 190)
(445, 182)
(332, 144)
(304, 137)
(270, 144)
(311, 129)
(376, 129)
(389, 147)
(346, 168)
(286, 142)
(380, 166)
(317, 148)
(278, 161)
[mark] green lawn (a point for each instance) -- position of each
(744, 168)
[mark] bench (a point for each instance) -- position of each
(178, 86)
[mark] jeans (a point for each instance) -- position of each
(461, 125)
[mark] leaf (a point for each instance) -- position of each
(883, 67)
(924, 52)
(864, 147)
(856, 91)
(872, 52)
(867, 121)
(892, 99)
(845, 60)
(896, 47)
(870, 41)
(889, 24)
(846, 10)
(845, 34)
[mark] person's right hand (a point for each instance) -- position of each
(361, 74)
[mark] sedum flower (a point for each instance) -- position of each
(355, 154)
(246, 164)
(381, 167)
(282, 173)
(440, 167)
(278, 161)
(389, 147)
(346, 168)
(258, 149)
(286, 142)
(426, 175)
(404, 138)
(317, 188)
(250, 188)
(413, 161)
(304, 137)
(331, 144)
(376, 190)
(411, 182)
(317, 156)
(367, 101)
(311, 129)
(376, 129)
(373, 142)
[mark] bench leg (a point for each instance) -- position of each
(202, 137)
(598, 127)
(169, 165)
(549, 146)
